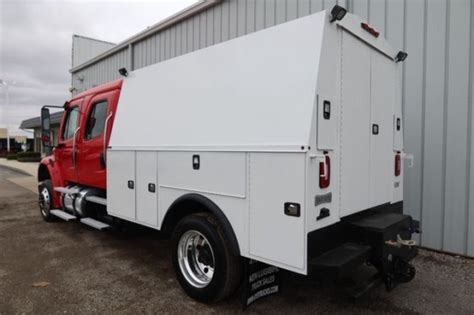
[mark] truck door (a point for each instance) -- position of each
(92, 150)
(355, 125)
(66, 150)
(367, 102)
(382, 96)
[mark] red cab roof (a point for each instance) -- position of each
(117, 84)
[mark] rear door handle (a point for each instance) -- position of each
(375, 129)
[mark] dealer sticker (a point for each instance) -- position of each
(261, 280)
(320, 199)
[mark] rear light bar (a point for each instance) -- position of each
(398, 164)
(369, 29)
(325, 172)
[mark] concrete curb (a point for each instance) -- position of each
(16, 170)
(29, 168)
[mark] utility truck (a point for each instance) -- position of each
(284, 146)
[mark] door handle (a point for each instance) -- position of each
(105, 137)
(74, 147)
(375, 129)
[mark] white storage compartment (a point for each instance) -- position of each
(219, 173)
(381, 144)
(121, 184)
(147, 188)
(277, 178)
(355, 125)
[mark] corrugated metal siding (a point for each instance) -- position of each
(103, 71)
(225, 21)
(437, 91)
(84, 49)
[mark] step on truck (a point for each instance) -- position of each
(284, 146)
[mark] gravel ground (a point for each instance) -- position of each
(80, 270)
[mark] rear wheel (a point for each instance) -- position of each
(204, 265)
(45, 200)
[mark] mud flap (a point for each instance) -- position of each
(260, 280)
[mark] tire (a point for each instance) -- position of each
(209, 272)
(45, 200)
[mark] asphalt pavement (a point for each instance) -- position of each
(69, 268)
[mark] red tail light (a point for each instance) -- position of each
(398, 164)
(325, 172)
(369, 29)
(45, 138)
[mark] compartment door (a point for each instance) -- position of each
(381, 135)
(147, 188)
(121, 184)
(275, 237)
(355, 125)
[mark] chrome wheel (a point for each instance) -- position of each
(44, 201)
(196, 258)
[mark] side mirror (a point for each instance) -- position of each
(45, 127)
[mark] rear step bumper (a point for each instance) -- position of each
(376, 237)
(337, 262)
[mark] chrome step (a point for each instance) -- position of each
(65, 190)
(95, 224)
(98, 200)
(63, 215)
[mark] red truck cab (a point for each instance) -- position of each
(80, 156)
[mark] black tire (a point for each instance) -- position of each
(227, 270)
(45, 188)
(408, 273)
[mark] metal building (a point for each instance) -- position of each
(437, 91)
(85, 48)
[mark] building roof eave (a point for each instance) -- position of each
(194, 9)
(35, 122)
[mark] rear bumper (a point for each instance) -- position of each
(372, 236)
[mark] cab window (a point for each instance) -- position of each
(96, 120)
(70, 125)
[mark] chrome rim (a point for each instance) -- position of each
(196, 259)
(44, 201)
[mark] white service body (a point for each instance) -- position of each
(252, 109)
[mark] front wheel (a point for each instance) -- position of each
(204, 265)
(45, 200)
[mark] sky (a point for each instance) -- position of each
(36, 43)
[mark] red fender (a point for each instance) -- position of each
(49, 163)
